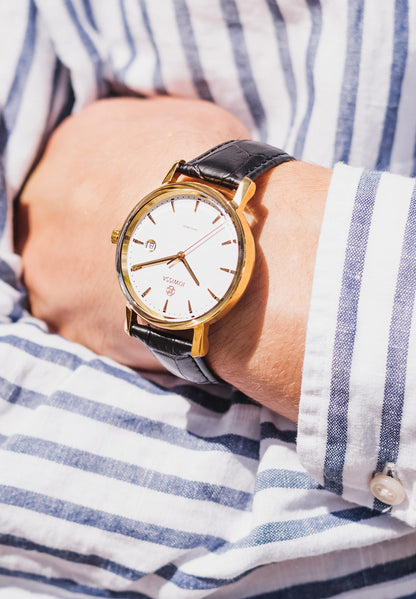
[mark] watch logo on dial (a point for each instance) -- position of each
(170, 290)
(173, 281)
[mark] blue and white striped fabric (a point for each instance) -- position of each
(111, 486)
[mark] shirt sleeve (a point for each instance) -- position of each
(357, 414)
(35, 95)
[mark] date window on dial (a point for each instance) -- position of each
(150, 245)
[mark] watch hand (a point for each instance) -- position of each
(180, 257)
(203, 239)
(189, 269)
(195, 245)
(156, 261)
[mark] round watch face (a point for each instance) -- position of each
(181, 256)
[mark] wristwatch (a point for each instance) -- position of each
(185, 253)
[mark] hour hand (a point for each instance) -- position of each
(189, 269)
(151, 262)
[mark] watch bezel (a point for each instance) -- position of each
(246, 251)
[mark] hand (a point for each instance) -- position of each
(96, 166)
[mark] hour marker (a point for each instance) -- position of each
(146, 292)
(229, 241)
(151, 218)
(213, 295)
(165, 306)
(172, 203)
(217, 218)
(190, 307)
(196, 205)
(138, 241)
(232, 272)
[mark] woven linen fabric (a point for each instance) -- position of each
(115, 486)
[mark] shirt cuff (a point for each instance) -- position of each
(357, 417)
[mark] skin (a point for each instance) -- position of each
(96, 166)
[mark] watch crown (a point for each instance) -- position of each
(115, 235)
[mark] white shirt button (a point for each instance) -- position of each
(387, 489)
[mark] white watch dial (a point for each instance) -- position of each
(182, 257)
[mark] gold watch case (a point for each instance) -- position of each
(233, 202)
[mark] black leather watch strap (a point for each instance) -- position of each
(175, 354)
(228, 163)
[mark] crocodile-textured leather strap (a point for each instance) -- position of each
(228, 163)
(174, 354)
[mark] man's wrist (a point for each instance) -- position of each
(259, 345)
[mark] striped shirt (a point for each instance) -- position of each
(113, 486)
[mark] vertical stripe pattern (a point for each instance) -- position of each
(90, 46)
(348, 96)
(159, 86)
(401, 34)
(396, 367)
(287, 67)
(316, 19)
(243, 66)
(12, 104)
(337, 432)
(129, 40)
(191, 49)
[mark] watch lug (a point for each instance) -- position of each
(244, 192)
(130, 319)
(172, 175)
(200, 342)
